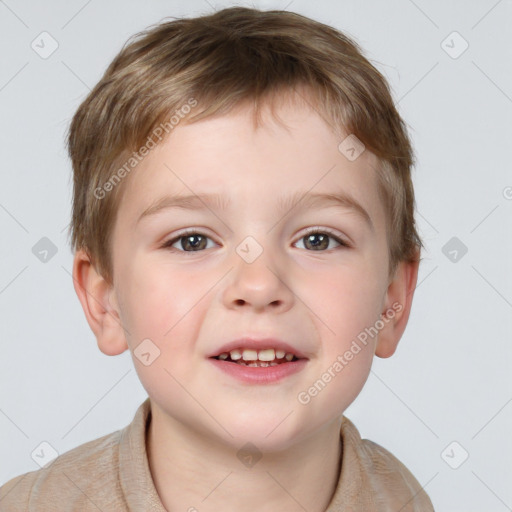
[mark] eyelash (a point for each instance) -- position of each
(324, 231)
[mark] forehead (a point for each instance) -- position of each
(292, 153)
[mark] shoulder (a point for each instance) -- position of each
(383, 477)
(78, 478)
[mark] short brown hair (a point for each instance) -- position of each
(221, 60)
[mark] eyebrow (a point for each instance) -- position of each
(285, 203)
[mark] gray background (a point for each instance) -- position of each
(450, 378)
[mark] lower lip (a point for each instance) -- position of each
(260, 375)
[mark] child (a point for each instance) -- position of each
(243, 224)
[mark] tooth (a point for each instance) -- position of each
(263, 364)
(235, 354)
(266, 355)
(273, 363)
(253, 364)
(250, 355)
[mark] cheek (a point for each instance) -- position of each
(161, 312)
(337, 382)
(158, 301)
(162, 317)
(347, 301)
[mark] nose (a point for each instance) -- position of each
(259, 285)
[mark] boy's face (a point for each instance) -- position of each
(308, 291)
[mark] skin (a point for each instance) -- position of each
(190, 303)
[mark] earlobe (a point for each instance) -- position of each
(100, 306)
(397, 308)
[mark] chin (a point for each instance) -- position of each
(268, 432)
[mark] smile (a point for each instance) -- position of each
(254, 371)
(257, 358)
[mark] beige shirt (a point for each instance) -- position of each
(112, 474)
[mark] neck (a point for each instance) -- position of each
(191, 470)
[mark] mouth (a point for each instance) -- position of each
(257, 358)
(261, 367)
(252, 360)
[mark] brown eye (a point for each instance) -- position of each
(194, 242)
(317, 241)
(321, 240)
(188, 242)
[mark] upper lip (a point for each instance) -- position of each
(258, 344)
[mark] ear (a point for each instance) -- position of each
(100, 306)
(397, 306)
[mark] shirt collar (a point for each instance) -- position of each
(134, 473)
